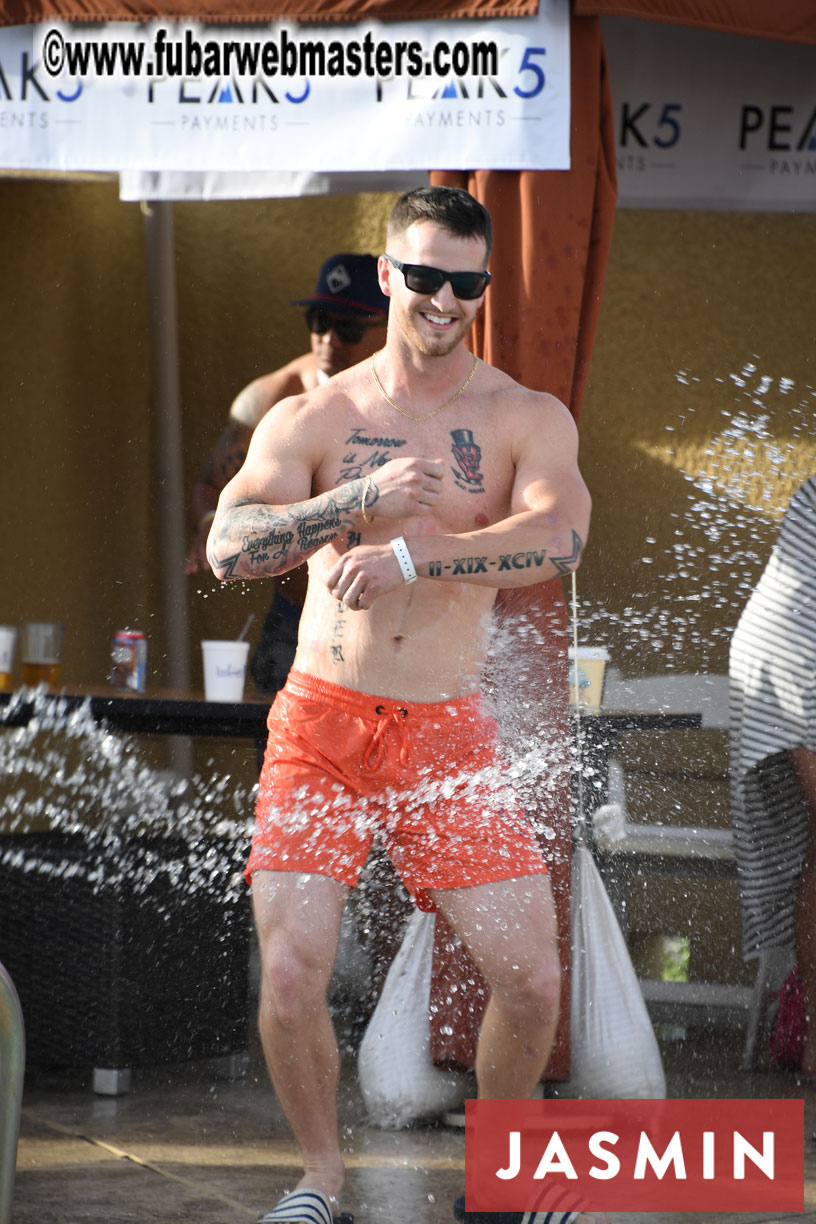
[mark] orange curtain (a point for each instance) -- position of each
(552, 235)
(27, 12)
(790, 20)
(553, 230)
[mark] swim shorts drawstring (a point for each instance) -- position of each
(376, 748)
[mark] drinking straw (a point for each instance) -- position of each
(245, 629)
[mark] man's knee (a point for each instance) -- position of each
(534, 994)
(292, 985)
(545, 986)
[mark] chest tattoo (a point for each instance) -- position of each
(365, 453)
(467, 456)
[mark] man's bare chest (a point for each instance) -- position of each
(478, 466)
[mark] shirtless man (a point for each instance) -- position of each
(478, 489)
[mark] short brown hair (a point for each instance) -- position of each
(449, 207)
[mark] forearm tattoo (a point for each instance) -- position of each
(507, 562)
(570, 561)
(252, 539)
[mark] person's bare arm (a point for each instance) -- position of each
(268, 522)
(225, 460)
(542, 538)
(248, 408)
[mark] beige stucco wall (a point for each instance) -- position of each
(75, 438)
(704, 317)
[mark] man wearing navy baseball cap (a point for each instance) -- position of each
(347, 288)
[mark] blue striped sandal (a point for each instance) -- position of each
(305, 1207)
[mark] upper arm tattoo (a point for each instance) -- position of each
(228, 455)
(232, 451)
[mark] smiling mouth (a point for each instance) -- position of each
(439, 320)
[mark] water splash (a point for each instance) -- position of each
(65, 774)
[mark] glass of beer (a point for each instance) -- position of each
(41, 648)
(8, 640)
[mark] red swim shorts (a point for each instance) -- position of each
(342, 767)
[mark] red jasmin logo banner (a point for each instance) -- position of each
(620, 1155)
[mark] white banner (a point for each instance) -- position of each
(708, 120)
(373, 97)
(136, 185)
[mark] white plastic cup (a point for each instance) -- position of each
(224, 670)
(586, 676)
(8, 640)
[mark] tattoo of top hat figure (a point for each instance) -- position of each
(468, 455)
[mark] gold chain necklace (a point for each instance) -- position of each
(427, 415)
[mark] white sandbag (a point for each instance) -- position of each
(614, 1050)
(399, 1082)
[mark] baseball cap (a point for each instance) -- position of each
(348, 285)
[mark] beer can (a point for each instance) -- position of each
(129, 660)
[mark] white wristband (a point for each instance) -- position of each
(404, 558)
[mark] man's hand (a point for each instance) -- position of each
(363, 574)
(403, 487)
(400, 488)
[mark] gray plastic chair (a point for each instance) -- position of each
(687, 849)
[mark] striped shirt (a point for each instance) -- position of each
(772, 670)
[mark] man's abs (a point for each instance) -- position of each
(422, 642)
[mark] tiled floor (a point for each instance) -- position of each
(182, 1146)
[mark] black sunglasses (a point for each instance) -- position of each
(349, 331)
(421, 279)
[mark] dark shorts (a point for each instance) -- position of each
(342, 767)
